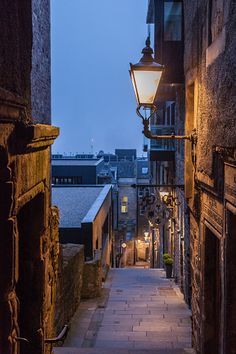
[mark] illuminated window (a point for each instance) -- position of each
(173, 21)
(124, 209)
(144, 170)
(124, 205)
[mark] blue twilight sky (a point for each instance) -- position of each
(93, 102)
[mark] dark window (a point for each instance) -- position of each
(209, 22)
(67, 180)
(159, 117)
(173, 114)
(157, 144)
(172, 21)
(168, 116)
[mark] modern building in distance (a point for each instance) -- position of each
(121, 170)
(126, 154)
(86, 218)
(107, 157)
(74, 170)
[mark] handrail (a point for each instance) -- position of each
(21, 339)
(60, 336)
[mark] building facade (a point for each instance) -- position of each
(206, 104)
(86, 218)
(76, 170)
(209, 65)
(166, 155)
(28, 223)
(205, 214)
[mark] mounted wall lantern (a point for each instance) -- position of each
(146, 76)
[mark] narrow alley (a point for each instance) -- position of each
(143, 313)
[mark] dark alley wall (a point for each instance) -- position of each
(15, 49)
(41, 62)
(210, 71)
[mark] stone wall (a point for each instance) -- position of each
(213, 78)
(210, 70)
(15, 49)
(29, 235)
(92, 280)
(51, 277)
(41, 63)
(76, 280)
(29, 245)
(70, 282)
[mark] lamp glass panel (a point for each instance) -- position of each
(146, 84)
(133, 82)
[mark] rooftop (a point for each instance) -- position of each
(76, 162)
(125, 169)
(74, 203)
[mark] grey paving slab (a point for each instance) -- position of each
(147, 297)
(144, 313)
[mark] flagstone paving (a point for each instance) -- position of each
(144, 313)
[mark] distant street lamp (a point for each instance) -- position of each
(146, 236)
(146, 76)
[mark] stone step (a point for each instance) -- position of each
(64, 350)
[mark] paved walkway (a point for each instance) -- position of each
(144, 313)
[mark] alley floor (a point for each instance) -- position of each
(141, 312)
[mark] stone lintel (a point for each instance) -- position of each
(40, 135)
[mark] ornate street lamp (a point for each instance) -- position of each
(146, 76)
(170, 200)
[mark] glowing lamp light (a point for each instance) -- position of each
(146, 76)
(146, 236)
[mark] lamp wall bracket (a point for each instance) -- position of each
(148, 134)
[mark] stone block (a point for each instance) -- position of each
(92, 280)
(70, 283)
